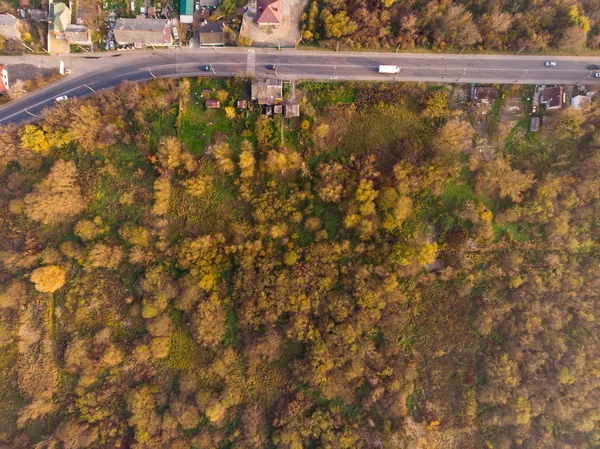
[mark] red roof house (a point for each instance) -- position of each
(268, 12)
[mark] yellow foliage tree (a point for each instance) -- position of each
(48, 279)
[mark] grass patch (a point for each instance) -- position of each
(513, 230)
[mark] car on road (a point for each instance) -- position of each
(597, 74)
(272, 67)
(61, 99)
(550, 63)
(593, 67)
(205, 68)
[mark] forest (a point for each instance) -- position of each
(568, 26)
(372, 274)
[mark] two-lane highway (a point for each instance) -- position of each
(94, 72)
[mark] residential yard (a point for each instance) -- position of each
(198, 127)
(286, 35)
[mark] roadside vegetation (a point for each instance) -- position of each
(566, 26)
(362, 276)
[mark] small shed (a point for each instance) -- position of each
(278, 109)
(292, 110)
(581, 102)
(213, 104)
(534, 124)
(205, 93)
(242, 104)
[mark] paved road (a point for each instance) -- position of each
(93, 72)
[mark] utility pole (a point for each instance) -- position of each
(522, 76)
(461, 75)
(398, 74)
(213, 70)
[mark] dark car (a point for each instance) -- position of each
(205, 68)
(593, 67)
(272, 67)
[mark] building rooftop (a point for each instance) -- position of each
(143, 31)
(59, 17)
(77, 34)
(211, 33)
(292, 110)
(267, 91)
(25, 72)
(484, 95)
(8, 24)
(581, 102)
(552, 97)
(38, 15)
(268, 12)
(534, 124)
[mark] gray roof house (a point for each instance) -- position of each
(78, 34)
(8, 26)
(267, 91)
(211, 34)
(143, 32)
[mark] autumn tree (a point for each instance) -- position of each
(49, 278)
(57, 198)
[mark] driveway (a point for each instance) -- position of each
(286, 35)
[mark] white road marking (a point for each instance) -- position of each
(251, 63)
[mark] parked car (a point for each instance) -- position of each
(272, 67)
(175, 33)
(597, 74)
(593, 67)
(61, 99)
(550, 63)
(205, 68)
(111, 45)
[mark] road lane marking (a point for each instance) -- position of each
(251, 63)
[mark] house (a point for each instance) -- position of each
(58, 20)
(292, 110)
(211, 34)
(534, 124)
(484, 96)
(186, 11)
(78, 35)
(552, 97)
(13, 73)
(142, 32)
(213, 104)
(268, 12)
(9, 26)
(267, 91)
(581, 102)
(2, 86)
(242, 104)
(38, 15)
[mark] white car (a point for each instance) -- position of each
(61, 99)
(597, 74)
(550, 63)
